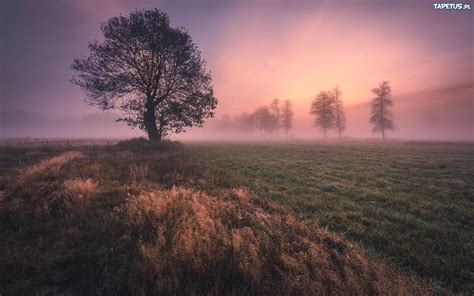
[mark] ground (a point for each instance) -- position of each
(412, 202)
(242, 218)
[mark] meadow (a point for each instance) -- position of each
(411, 203)
(299, 218)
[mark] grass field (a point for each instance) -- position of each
(410, 202)
(141, 218)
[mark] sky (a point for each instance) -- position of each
(256, 51)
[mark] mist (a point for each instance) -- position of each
(433, 114)
(256, 52)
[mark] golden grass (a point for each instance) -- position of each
(136, 238)
(82, 188)
(192, 236)
(50, 166)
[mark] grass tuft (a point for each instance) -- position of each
(82, 188)
(50, 166)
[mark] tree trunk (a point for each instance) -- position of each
(150, 124)
(382, 118)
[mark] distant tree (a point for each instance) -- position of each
(226, 122)
(322, 108)
(381, 115)
(150, 71)
(265, 121)
(340, 117)
(287, 116)
(275, 108)
(245, 122)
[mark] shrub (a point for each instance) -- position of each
(142, 145)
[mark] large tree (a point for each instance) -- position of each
(340, 117)
(150, 71)
(381, 115)
(322, 108)
(287, 116)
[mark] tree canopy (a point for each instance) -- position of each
(153, 73)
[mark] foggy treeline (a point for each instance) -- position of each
(273, 119)
(327, 109)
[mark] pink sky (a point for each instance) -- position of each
(257, 52)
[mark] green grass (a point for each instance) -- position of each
(68, 221)
(412, 203)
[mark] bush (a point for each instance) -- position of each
(142, 145)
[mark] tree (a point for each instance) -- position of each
(322, 108)
(151, 72)
(340, 117)
(265, 121)
(226, 122)
(287, 116)
(245, 122)
(275, 108)
(381, 115)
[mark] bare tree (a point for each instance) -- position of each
(150, 71)
(340, 117)
(275, 108)
(322, 108)
(287, 116)
(381, 115)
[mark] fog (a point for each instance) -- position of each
(256, 52)
(433, 114)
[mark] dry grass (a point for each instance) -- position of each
(50, 166)
(139, 238)
(239, 243)
(139, 173)
(409, 202)
(81, 188)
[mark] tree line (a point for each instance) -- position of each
(327, 109)
(271, 119)
(155, 75)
